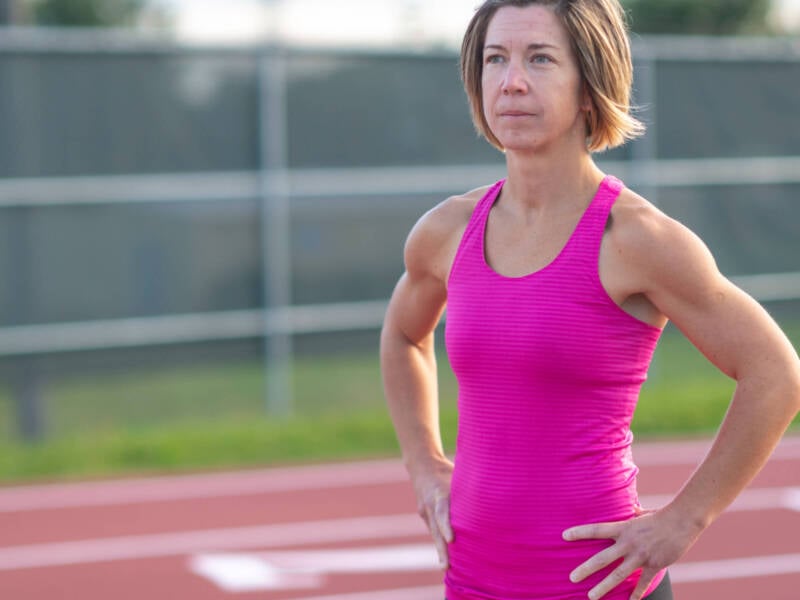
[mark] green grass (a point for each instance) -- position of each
(214, 416)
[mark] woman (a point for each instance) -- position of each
(558, 281)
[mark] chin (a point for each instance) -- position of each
(524, 145)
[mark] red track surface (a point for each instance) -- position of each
(144, 539)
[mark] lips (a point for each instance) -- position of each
(515, 113)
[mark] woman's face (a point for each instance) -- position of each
(531, 80)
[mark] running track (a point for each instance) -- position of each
(337, 532)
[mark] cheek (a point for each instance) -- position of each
(492, 77)
(486, 86)
(487, 99)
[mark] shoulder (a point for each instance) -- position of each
(433, 241)
(655, 248)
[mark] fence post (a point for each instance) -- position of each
(26, 389)
(644, 151)
(275, 225)
(25, 379)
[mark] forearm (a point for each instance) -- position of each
(759, 414)
(410, 386)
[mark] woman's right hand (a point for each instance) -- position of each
(432, 487)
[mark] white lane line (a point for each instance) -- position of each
(735, 568)
(691, 451)
(792, 499)
(750, 499)
(433, 592)
(290, 479)
(211, 540)
(211, 485)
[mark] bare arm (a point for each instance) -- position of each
(408, 365)
(677, 274)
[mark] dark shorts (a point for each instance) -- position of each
(663, 591)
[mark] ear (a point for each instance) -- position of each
(586, 99)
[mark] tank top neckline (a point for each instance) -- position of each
(491, 200)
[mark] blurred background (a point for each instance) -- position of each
(203, 206)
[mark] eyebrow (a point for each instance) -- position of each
(534, 46)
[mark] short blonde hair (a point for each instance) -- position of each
(599, 35)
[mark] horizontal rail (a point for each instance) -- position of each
(189, 328)
(68, 40)
(226, 186)
(231, 325)
(719, 171)
(770, 287)
(690, 48)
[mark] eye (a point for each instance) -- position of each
(541, 59)
(493, 59)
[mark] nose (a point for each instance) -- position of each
(514, 81)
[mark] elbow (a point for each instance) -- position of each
(795, 388)
(791, 389)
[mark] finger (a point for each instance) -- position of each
(614, 578)
(595, 563)
(443, 519)
(438, 539)
(645, 579)
(595, 531)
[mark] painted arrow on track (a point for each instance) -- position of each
(308, 569)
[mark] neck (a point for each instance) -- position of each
(544, 179)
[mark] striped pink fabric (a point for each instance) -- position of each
(549, 370)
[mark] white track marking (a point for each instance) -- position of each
(792, 499)
(431, 592)
(211, 540)
(290, 479)
(750, 499)
(237, 573)
(291, 570)
(690, 452)
(735, 568)
(211, 485)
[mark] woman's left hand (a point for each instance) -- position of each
(651, 541)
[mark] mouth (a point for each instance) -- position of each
(515, 113)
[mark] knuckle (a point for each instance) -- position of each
(617, 576)
(643, 558)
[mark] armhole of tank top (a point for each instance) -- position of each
(594, 271)
(475, 222)
(595, 229)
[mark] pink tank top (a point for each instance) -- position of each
(549, 370)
